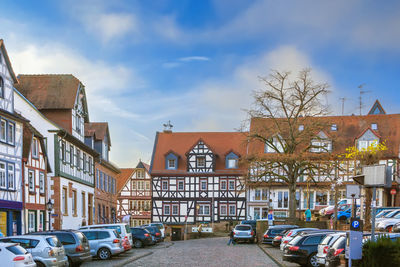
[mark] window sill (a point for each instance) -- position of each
(32, 193)
(74, 215)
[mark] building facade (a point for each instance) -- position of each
(97, 136)
(11, 131)
(196, 179)
(134, 195)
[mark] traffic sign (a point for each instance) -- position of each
(393, 191)
(270, 217)
(356, 224)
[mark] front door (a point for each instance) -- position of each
(90, 209)
(176, 234)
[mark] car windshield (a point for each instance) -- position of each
(391, 214)
(326, 240)
(81, 237)
(397, 216)
(340, 242)
(151, 230)
(53, 241)
(243, 228)
(17, 250)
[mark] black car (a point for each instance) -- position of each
(141, 237)
(337, 248)
(75, 244)
(275, 230)
(276, 242)
(303, 249)
(154, 231)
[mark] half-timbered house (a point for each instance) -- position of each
(196, 178)
(35, 167)
(11, 130)
(317, 192)
(56, 106)
(97, 136)
(134, 195)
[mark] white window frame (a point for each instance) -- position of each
(10, 176)
(231, 182)
(3, 178)
(202, 210)
(275, 142)
(169, 210)
(177, 209)
(179, 183)
(202, 182)
(31, 181)
(35, 148)
(140, 174)
(164, 182)
(224, 184)
(171, 164)
(10, 133)
(201, 159)
(232, 163)
(234, 208)
(3, 131)
(41, 182)
(221, 210)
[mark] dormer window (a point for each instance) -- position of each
(274, 145)
(367, 139)
(171, 161)
(201, 161)
(171, 164)
(321, 143)
(334, 127)
(35, 148)
(231, 161)
(301, 127)
(374, 126)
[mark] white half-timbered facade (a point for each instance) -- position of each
(196, 178)
(134, 197)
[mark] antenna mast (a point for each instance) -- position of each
(343, 99)
(360, 97)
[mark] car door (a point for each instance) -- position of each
(311, 243)
(93, 241)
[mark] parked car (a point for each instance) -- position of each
(332, 256)
(325, 244)
(12, 254)
(154, 231)
(244, 232)
(253, 224)
(275, 230)
(122, 229)
(388, 223)
(276, 242)
(161, 227)
(396, 228)
(104, 243)
(293, 233)
(303, 249)
(45, 250)
(382, 213)
(388, 215)
(328, 211)
(75, 244)
(344, 215)
(141, 237)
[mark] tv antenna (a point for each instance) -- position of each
(343, 99)
(362, 92)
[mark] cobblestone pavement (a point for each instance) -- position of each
(206, 252)
(276, 253)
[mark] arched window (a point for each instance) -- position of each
(1, 87)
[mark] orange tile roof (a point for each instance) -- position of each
(49, 91)
(181, 142)
(349, 128)
(123, 177)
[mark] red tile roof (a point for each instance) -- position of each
(181, 142)
(123, 177)
(49, 91)
(97, 129)
(5, 55)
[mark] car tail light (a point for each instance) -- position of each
(79, 248)
(19, 258)
(278, 238)
(338, 251)
(266, 236)
(294, 248)
(157, 234)
(51, 252)
(147, 235)
(116, 241)
(252, 233)
(326, 249)
(290, 233)
(286, 241)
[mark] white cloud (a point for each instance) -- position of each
(194, 58)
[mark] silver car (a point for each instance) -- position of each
(325, 244)
(243, 232)
(46, 250)
(104, 243)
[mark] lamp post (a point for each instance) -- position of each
(49, 206)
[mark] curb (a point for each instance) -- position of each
(271, 257)
(134, 258)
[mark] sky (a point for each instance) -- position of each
(196, 63)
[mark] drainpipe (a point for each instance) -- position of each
(24, 161)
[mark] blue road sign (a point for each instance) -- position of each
(270, 217)
(355, 224)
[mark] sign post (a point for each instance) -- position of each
(270, 218)
(354, 240)
(393, 193)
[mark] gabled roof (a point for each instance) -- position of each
(49, 91)
(5, 55)
(98, 130)
(142, 165)
(123, 177)
(182, 142)
(196, 143)
(376, 109)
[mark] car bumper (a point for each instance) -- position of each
(81, 258)
(276, 243)
(53, 262)
(294, 258)
(243, 237)
(321, 260)
(267, 241)
(117, 250)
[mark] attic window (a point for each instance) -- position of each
(374, 126)
(301, 127)
(201, 162)
(231, 161)
(171, 164)
(333, 127)
(1, 87)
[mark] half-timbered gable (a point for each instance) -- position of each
(11, 130)
(206, 183)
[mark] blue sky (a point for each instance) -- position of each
(196, 62)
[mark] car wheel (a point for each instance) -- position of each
(70, 263)
(104, 254)
(138, 244)
(312, 260)
(39, 264)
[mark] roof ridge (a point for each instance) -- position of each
(47, 74)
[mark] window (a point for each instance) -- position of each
(257, 194)
(171, 164)
(10, 133)
(2, 175)
(165, 185)
(3, 133)
(318, 146)
(10, 175)
(283, 198)
(203, 185)
(84, 163)
(67, 152)
(167, 210)
(223, 185)
(274, 145)
(90, 166)
(31, 181)
(133, 185)
(147, 185)
(363, 145)
(83, 204)
(204, 209)
(314, 240)
(41, 182)
(140, 174)
(81, 161)
(264, 194)
(321, 198)
(223, 209)
(77, 159)
(31, 221)
(71, 154)
(63, 151)
(105, 182)
(201, 162)
(175, 209)
(256, 213)
(231, 184)
(74, 209)
(64, 201)
(35, 148)
(181, 185)
(90, 235)
(374, 126)
(301, 127)
(232, 210)
(1, 84)
(232, 163)
(333, 127)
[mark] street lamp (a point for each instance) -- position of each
(49, 207)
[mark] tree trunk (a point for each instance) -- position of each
(367, 217)
(292, 202)
(336, 206)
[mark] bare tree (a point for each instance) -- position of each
(284, 121)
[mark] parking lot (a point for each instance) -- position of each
(197, 252)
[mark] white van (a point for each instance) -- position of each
(122, 229)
